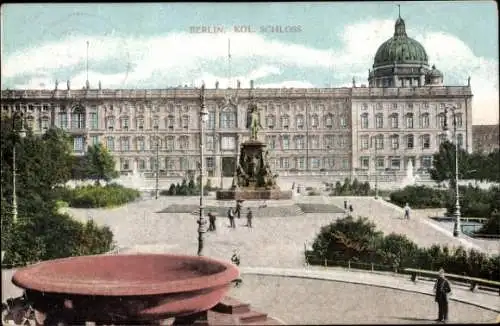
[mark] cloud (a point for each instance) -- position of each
(183, 58)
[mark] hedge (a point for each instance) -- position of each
(93, 196)
(420, 197)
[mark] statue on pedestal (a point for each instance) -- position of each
(68, 85)
(57, 85)
(254, 122)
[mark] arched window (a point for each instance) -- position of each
(458, 120)
(78, 118)
(379, 121)
(394, 118)
(441, 120)
(270, 121)
(410, 141)
(285, 121)
(314, 121)
(395, 141)
(300, 142)
(424, 120)
(110, 143)
(329, 121)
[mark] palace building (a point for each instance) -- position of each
(355, 130)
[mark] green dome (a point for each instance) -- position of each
(400, 49)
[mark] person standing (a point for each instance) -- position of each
(235, 259)
(211, 219)
(230, 215)
(442, 289)
(407, 211)
(351, 209)
(238, 208)
(202, 229)
(249, 217)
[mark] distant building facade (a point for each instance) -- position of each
(353, 131)
(486, 138)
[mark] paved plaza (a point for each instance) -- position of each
(278, 242)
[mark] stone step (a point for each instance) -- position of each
(252, 317)
(231, 306)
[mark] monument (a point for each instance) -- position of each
(253, 179)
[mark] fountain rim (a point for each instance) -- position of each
(26, 278)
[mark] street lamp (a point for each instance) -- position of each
(157, 162)
(456, 226)
(22, 133)
(375, 164)
(202, 220)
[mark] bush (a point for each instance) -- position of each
(314, 193)
(97, 196)
(187, 189)
(420, 197)
(354, 188)
(476, 202)
(359, 241)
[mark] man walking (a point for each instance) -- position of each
(211, 219)
(442, 289)
(230, 215)
(249, 217)
(407, 212)
(202, 229)
(238, 208)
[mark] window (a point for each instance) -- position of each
(328, 163)
(442, 138)
(125, 144)
(94, 121)
(183, 142)
(379, 121)
(343, 122)
(45, 123)
(329, 141)
(170, 143)
(110, 143)
(426, 162)
(210, 142)
(300, 121)
(299, 142)
(342, 141)
(78, 144)
(211, 120)
(364, 142)
(364, 120)
(380, 163)
(314, 121)
(284, 163)
(345, 163)
(156, 123)
(142, 165)
(364, 106)
(270, 121)
(458, 120)
(153, 164)
(424, 123)
(315, 142)
(30, 122)
(63, 120)
(228, 119)
(395, 163)
(124, 123)
(394, 121)
(95, 140)
(284, 122)
(364, 162)
(409, 120)
(210, 163)
(110, 123)
(426, 141)
(169, 164)
(183, 163)
(140, 123)
(185, 122)
(394, 106)
(315, 163)
(460, 140)
(300, 163)
(442, 120)
(394, 141)
(125, 166)
(141, 144)
(78, 118)
(379, 142)
(329, 121)
(228, 143)
(409, 141)
(286, 142)
(271, 142)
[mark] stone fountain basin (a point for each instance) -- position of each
(125, 287)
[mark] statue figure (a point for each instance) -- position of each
(353, 82)
(255, 122)
(68, 85)
(100, 85)
(87, 84)
(468, 81)
(216, 84)
(238, 84)
(57, 85)
(251, 84)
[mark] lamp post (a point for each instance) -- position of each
(202, 221)
(22, 134)
(375, 164)
(456, 225)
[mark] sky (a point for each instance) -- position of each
(278, 44)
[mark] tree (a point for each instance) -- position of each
(444, 163)
(99, 164)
